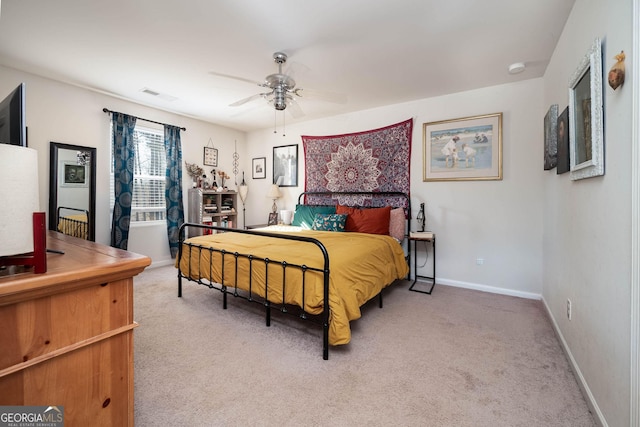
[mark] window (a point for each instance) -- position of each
(148, 177)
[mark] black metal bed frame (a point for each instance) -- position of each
(79, 228)
(283, 307)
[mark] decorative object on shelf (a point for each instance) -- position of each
(243, 190)
(616, 74)
(274, 193)
(551, 138)
(586, 141)
(259, 168)
(285, 165)
(210, 157)
(421, 218)
(194, 171)
(223, 177)
(465, 149)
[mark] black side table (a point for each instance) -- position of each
(423, 237)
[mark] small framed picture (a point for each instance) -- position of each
(73, 175)
(273, 218)
(259, 168)
(210, 157)
(551, 138)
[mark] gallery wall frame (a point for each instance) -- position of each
(564, 164)
(464, 149)
(586, 137)
(285, 165)
(551, 138)
(259, 168)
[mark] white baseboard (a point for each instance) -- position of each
(582, 383)
(486, 288)
(162, 263)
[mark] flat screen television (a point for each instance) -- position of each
(13, 128)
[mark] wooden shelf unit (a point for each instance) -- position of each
(212, 208)
(67, 334)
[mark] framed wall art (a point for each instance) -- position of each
(563, 142)
(468, 148)
(210, 157)
(259, 168)
(551, 138)
(73, 175)
(586, 142)
(273, 218)
(285, 165)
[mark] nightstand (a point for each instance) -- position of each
(425, 236)
(251, 227)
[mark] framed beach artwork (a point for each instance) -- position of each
(586, 141)
(464, 149)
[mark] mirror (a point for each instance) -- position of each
(72, 190)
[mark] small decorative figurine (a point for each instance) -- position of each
(616, 74)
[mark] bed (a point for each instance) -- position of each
(73, 222)
(309, 269)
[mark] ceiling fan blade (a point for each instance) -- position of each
(248, 99)
(294, 108)
(242, 79)
(335, 97)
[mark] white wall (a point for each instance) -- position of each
(63, 113)
(587, 223)
(499, 221)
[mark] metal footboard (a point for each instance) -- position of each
(248, 292)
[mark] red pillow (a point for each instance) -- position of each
(372, 221)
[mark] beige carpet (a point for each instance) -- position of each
(453, 358)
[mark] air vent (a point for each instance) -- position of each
(162, 96)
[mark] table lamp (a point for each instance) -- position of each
(274, 193)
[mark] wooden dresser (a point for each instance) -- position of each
(66, 336)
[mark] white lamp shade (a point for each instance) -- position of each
(243, 190)
(274, 192)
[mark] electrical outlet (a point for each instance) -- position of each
(569, 309)
(479, 261)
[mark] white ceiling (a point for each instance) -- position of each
(375, 52)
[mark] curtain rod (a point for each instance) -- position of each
(106, 110)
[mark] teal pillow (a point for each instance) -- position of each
(305, 214)
(329, 222)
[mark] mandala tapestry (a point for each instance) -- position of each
(374, 160)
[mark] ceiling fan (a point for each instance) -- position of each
(282, 91)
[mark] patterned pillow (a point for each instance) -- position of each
(305, 214)
(397, 224)
(329, 222)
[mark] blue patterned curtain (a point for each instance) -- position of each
(123, 160)
(173, 191)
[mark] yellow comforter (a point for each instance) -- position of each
(74, 225)
(360, 265)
